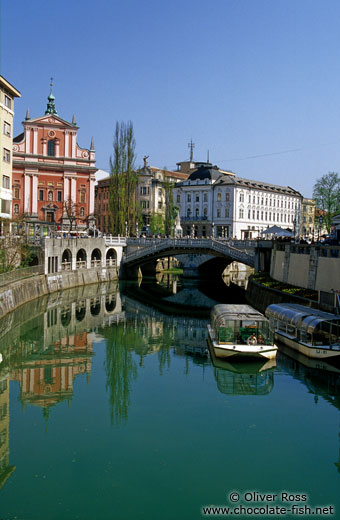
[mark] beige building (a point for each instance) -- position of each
(7, 95)
(308, 227)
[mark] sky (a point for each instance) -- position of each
(254, 82)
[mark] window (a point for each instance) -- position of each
(16, 193)
(219, 196)
(178, 198)
(5, 206)
(188, 212)
(8, 102)
(227, 196)
(241, 197)
(218, 213)
(5, 182)
(196, 212)
(205, 197)
(160, 204)
(205, 212)
(241, 213)
(160, 193)
(82, 197)
(16, 209)
(82, 212)
(188, 197)
(51, 148)
(6, 155)
(227, 212)
(41, 194)
(59, 195)
(197, 198)
(249, 214)
(7, 128)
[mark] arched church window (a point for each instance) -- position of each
(51, 148)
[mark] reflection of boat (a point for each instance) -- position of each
(312, 332)
(0, 358)
(307, 362)
(253, 378)
(240, 331)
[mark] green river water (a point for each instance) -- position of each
(111, 408)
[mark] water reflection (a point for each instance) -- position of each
(49, 343)
(243, 377)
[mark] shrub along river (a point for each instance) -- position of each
(110, 408)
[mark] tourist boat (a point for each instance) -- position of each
(312, 332)
(240, 331)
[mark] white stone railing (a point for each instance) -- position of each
(153, 246)
(114, 241)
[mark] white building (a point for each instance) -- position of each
(220, 204)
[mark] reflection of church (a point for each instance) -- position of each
(46, 378)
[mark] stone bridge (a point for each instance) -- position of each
(143, 254)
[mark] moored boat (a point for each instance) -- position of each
(312, 332)
(241, 332)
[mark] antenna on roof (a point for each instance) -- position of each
(191, 145)
(208, 157)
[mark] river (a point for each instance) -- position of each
(110, 408)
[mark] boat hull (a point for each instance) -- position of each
(224, 351)
(311, 352)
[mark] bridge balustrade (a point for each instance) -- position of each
(66, 266)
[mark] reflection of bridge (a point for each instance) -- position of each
(143, 253)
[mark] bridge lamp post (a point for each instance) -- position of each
(212, 229)
(126, 227)
(137, 229)
(193, 231)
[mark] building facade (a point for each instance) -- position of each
(309, 226)
(150, 195)
(53, 178)
(7, 95)
(216, 203)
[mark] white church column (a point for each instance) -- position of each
(91, 206)
(74, 190)
(35, 193)
(27, 198)
(35, 141)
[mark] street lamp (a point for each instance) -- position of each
(213, 230)
(126, 227)
(137, 229)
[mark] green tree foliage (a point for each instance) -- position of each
(170, 208)
(326, 193)
(157, 224)
(124, 180)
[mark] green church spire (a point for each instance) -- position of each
(50, 105)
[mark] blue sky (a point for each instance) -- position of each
(255, 82)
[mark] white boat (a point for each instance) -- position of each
(240, 331)
(312, 332)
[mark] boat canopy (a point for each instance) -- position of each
(222, 313)
(303, 318)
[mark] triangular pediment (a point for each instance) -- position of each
(50, 119)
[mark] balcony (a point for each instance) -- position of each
(193, 219)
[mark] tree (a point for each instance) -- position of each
(124, 180)
(326, 193)
(170, 209)
(157, 224)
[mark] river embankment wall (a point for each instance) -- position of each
(260, 297)
(22, 291)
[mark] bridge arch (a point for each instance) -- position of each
(96, 257)
(111, 257)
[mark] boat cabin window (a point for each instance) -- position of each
(238, 331)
